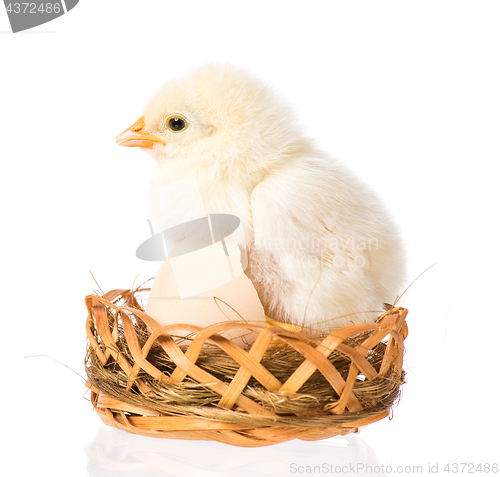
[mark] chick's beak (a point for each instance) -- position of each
(134, 137)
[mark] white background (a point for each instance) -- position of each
(406, 93)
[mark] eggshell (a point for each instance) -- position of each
(231, 297)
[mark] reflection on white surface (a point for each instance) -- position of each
(114, 452)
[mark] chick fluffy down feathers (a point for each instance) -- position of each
(321, 248)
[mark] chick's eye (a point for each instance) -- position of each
(176, 124)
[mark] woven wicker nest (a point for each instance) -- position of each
(287, 385)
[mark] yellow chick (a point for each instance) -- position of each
(321, 249)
